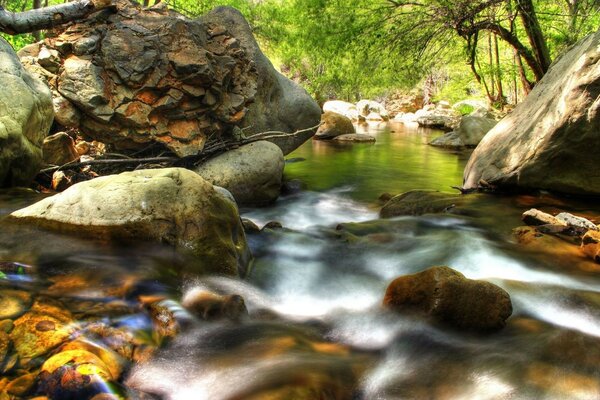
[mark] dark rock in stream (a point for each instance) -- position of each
(590, 244)
(208, 305)
(449, 297)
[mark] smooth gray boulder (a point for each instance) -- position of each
(251, 173)
(552, 139)
(170, 205)
(25, 118)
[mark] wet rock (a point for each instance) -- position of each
(344, 108)
(536, 217)
(251, 173)
(83, 147)
(172, 205)
(550, 140)
(43, 328)
(5, 344)
(250, 226)
(168, 318)
(272, 225)
(26, 119)
(59, 149)
(590, 244)
(13, 303)
(576, 222)
(355, 138)
(209, 306)
(21, 386)
(334, 125)
(469, 132)
(448, 297)
(561, 383)
(75, 374)
(418, 202)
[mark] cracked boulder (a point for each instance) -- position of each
(133, 77)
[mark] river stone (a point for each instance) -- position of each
(59, 149)
(469, 133)
(25, 119)
(355, 138)
(372, 110)
(13, 303)
(171, 205)
(449, 297)
(252, 173)
(575, 221)
(552, 139)
(344, 108)
(209, 305)
(333, 125)
(138, 76)
(536, 217)
(418, 202)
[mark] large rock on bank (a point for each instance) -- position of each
(25, 119)
(333, 125)
(449, 297)
(252, 173)
(172, 205)
(552, 139)
(137, 76)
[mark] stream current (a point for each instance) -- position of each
(316, 328)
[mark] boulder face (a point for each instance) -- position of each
(252, 173)
(25, 119)
(551, 140)
(449, 297)
(134, 77)
(170, 205)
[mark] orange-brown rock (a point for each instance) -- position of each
(447, 296)
(333, 124)
(590, 244)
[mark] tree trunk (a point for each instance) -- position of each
(498, 72)
(37, 4)
(527, 86)
(534, 33)
(48, 17)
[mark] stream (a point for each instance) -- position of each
(316, 328)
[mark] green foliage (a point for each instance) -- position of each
(18, 41)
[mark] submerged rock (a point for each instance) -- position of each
(208, 305)
(334, 125)
(418, 202)
(252, 173)
(355, 138)
(26, 110)
(448, 297)
(552, 139)
(172, 205)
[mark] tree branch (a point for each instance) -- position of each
(48, 17)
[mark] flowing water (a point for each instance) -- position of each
(316, 329)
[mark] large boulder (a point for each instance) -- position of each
(449, 297)
(172, 205)
(334, 124)
(252, 173)
(552, 139)
(135, 77)
(469, 133)
(25, 119)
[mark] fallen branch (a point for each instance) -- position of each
(108, 161)
(48, 17)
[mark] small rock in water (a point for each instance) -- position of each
(208, 305)
(272, 225)
(537, 217)
(576, 222)
(355, 138)
(449, 297)
(292, 186)
(13, 303)
(590, 244)
(250, 226)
